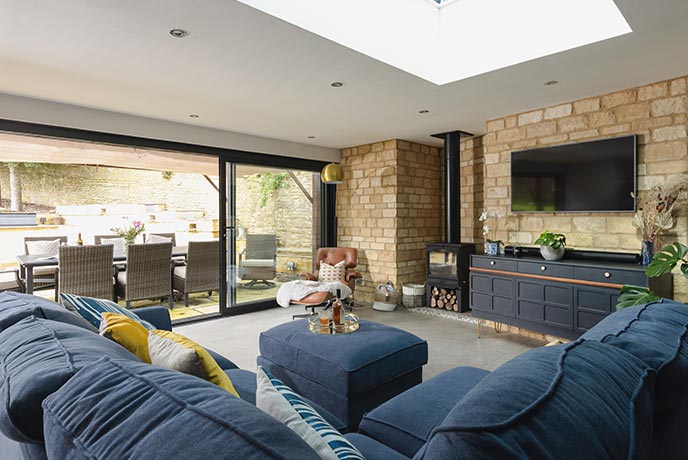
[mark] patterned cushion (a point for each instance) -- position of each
(174, 351)
(154, 239)
(92, 309)
(277, 399)
(336, 272)
(44, 248)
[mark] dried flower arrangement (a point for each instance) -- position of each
(656, 210)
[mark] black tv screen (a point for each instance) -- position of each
(591, 176)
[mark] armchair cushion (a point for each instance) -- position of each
(258, 263)
(330, 273)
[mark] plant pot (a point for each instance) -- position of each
(549, 253)
(492, 249)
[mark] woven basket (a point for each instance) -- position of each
(413, 295)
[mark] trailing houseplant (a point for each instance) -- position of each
(552, 245)
(491, 244)
(663, 262)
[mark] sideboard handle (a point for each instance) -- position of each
(492, 262)
(543, 268)
(607, 275)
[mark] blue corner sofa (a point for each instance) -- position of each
(619, 392)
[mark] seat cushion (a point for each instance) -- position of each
(372, 449)
(581, 400)
(406, 421)
(15, 306)
(114, 409)
(258, 263)
(37, 356)
(245, 384)
(657, 333)
(350, 364)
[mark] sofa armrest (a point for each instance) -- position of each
(157, 316)
(352, 276)
(224, 363)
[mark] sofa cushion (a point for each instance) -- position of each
(245, 384)
(92, 309)
(349, 364)
(37, 356)
(278, 400)
(15, 306)
(405, 422)
(372, 449)
(553, 402)
(657, 333)
(166, 349)
(115, 409)
(126, 332)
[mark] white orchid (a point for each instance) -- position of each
(484, 216)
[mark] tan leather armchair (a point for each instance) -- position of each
(333, 256)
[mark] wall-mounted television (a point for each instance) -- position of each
(595, 176)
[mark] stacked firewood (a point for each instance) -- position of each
(444, 298)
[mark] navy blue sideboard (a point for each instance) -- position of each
(563, 298)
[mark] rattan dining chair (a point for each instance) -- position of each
(43, 277)
(148, 274)
(202, 270)
(86, 271)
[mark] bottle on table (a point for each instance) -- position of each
(337, 317)
(79, 241)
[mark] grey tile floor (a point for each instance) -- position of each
(451, 343)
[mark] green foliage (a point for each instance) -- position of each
(269, 183)
(553, 240)
(167, 175)
(634, 295)
(667, 259)
(662, 263)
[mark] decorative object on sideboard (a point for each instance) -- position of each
(552, 245)
(492, 245)
(662, 263)
(656, 212)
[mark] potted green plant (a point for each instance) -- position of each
(492, 245)
(663, 262)
(552, 245)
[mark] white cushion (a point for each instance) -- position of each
(332, 273)
(278, 400)
(258, 263)
(155, 239)
(44, 248)
(117, 242)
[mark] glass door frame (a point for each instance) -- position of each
(227, 216)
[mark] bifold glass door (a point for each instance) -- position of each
(271, 228)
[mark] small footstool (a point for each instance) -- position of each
(348, 374)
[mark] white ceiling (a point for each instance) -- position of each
(242, 70)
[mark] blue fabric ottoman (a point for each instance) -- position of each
(347, 374)
(405, 422)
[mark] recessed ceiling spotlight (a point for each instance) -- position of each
(551, 82)
(179, 33)
(193, 115)
(423, 112)
(336, 84)
(311, 137)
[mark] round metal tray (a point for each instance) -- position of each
(349, 325)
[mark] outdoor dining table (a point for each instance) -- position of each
(27, 263)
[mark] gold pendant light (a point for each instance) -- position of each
(332, 174)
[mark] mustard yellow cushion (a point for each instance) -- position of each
(174, 351)
(126, 332)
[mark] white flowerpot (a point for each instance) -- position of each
(550, 253)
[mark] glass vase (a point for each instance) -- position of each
(647, 252)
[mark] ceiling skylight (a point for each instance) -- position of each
(443, 41)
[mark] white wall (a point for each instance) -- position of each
(71, 116)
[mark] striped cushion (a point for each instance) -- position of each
(92, 309)
(336, 272)
(277, 399)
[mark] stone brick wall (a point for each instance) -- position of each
(388, 207)
(657, 113)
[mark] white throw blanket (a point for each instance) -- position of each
(297, 290)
